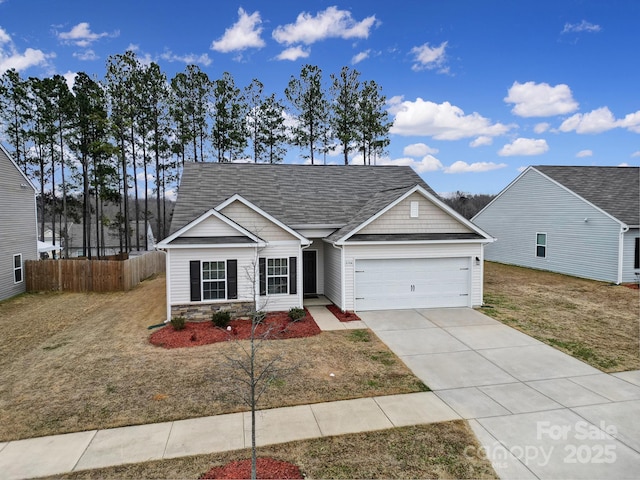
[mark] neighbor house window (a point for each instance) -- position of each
(17, 268)
(277, 276)
(636, 259)
(415, 209)
(213, 280)
(541, 245)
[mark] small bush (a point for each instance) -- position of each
(178, 323)
(221, 319)
(297, 313)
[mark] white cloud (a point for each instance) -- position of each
(635, 154)
(524, 146)
(11, 57)
(596, 121)
(82, 36)
(293, 53)
(359, 57)
(541, 127)
(329, 23)
(584, 153)
(190, 58)
(428, 163)
(87, 55)
(243, 34)
(70, 77)
(441, 121)
(427, 57)
(583, 26)
(418, 150)
(477, 167)
(481, 141)
(540, 99)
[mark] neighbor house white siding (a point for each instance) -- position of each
(430, 219)
(629, 273)
(255, 223)
(581, 240)
(459, 250)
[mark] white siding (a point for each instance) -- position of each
(178, 266)
(355, 252)
(333, 274)
(574, 246)
(255, 223)
(628, 272)
(275, 303)
(431, 219)
(212, 227)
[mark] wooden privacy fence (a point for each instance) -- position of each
(92, 275)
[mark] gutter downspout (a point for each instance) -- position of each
(623, 229)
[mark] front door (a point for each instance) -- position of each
(309, 272)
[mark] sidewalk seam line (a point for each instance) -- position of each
(95, 432)
(166, 443)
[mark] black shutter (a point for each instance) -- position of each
(194, 277)
(293, 276)
(636, 261)
(232, 279)
(262, 267)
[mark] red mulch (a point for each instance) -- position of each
(343, 316)
(633, 286)
(266, 468)
(278, 324)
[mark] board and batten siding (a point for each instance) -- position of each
(431, 219)
(18, 225)
(534, 204)
(255, 223)
(468, 250)
(333, 274)
(629, 273)
(212, 227)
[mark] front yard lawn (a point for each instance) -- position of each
(72, 362)
(595, 322)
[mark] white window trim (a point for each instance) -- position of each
(15, 269)
(541, 245)
(415, 209)
(267, 276)
(202, 281)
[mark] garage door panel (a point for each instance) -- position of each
(412, 283)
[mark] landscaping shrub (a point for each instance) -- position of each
(178, 323)
(297, 313)
(221, 319)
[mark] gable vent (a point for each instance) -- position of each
(415, 209)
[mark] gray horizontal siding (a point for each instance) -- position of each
(17, 225)
(574, 247)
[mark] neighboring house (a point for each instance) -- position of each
(18, 241)
(365, 237)
(580, 221)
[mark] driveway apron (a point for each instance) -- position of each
(537, 412)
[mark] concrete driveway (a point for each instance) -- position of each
(537, 411)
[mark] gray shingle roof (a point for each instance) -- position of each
(294, 194)
(616, 190)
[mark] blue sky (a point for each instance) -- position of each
(477, 89)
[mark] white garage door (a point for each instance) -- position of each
(392, 284)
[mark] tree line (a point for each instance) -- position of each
(88, 146)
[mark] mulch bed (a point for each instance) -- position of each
(267, 468)
(343, 316)
(276, 326)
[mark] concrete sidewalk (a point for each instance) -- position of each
(57, 454)
(538, 412)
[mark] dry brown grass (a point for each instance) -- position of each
(594, 321)
(72, 362)
(426, 451)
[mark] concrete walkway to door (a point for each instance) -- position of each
(537, 411)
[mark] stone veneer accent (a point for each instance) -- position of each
(203, 312)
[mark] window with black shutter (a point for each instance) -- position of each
(194, 280)
(232, 279)
(636, 261)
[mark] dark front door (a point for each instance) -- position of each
(309, 272)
